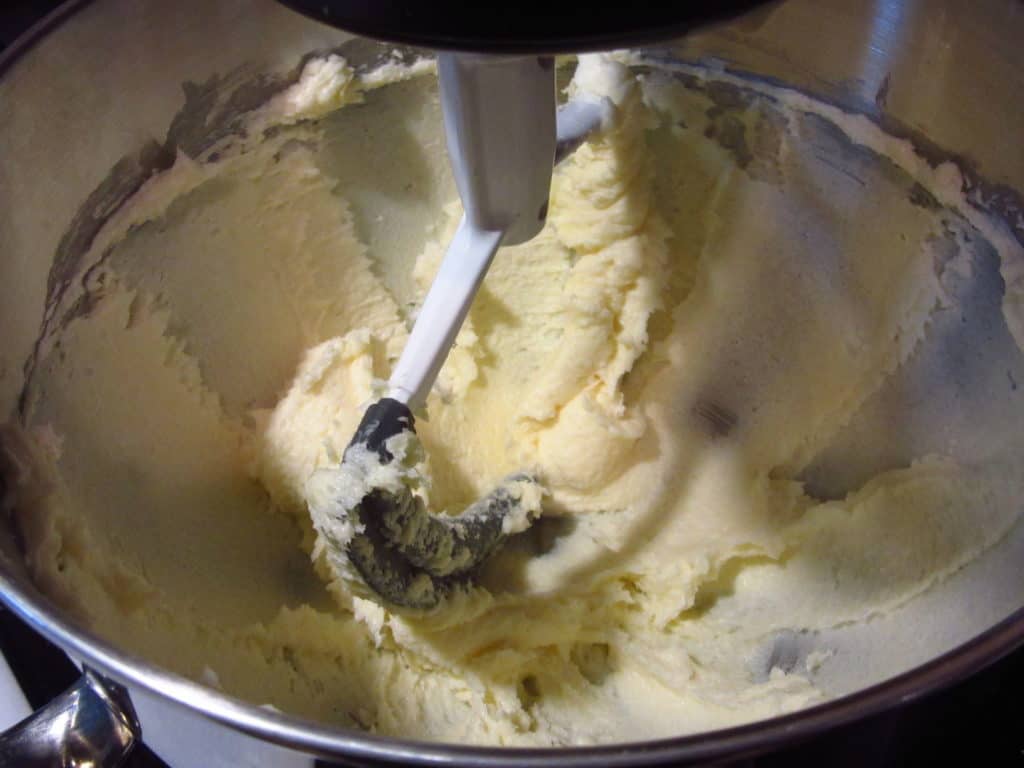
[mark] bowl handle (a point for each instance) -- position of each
(92, 723)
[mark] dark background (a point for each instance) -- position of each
(980, 722)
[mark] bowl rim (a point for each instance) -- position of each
(328, 741)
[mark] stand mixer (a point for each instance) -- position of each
(497, 84)
(103, 103)
(497, 79)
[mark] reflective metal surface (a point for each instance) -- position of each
(945, 73)
(90, 724)
(941, 69)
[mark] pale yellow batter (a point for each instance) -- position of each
(726, 283)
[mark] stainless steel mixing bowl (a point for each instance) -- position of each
(89, 89)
